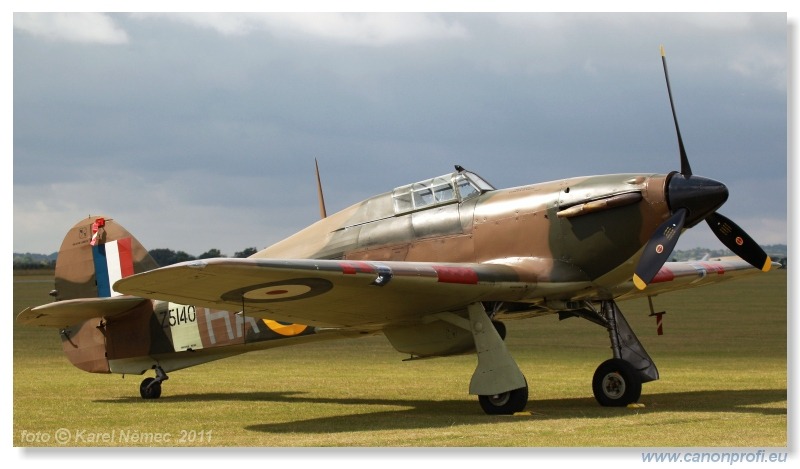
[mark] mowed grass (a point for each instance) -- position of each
(722, 359)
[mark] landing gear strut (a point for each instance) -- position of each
(150, 388)
(497, 381)
(500, 385)
(618, 382)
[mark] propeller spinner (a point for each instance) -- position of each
(691, 200)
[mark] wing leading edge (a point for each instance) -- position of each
(681, 275)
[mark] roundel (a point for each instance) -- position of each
(276, 292)
(284, 290)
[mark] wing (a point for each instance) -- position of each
(370, 294)
(70, 312)
(675, 276)
(360, 294)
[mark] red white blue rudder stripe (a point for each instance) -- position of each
(112, 261)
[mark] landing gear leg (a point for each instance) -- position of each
(618, 382)
(150, 388)
(500, 385)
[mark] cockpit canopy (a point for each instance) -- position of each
(442, 190)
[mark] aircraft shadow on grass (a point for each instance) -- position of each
(408, 414)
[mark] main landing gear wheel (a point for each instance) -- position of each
(616, 383)
(505, 403)
(150, 388)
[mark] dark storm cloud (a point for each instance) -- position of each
(171, 122)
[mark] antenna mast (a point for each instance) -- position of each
(322, 211)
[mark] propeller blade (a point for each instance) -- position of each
(702, 196)
(659, 248)
(686, 169)
(738, 241)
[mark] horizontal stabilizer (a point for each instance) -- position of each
(70, 312)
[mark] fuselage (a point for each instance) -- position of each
(578, 229)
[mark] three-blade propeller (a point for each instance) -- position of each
(693, 199)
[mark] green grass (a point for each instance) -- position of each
(722, 359)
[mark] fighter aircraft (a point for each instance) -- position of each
(436, 266)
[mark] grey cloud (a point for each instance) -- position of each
(85, 28)
(198, 123)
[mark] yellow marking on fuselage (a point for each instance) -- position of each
(285, 329)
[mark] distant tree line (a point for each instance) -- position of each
(30, 261)
(778, 253)
(166, 257)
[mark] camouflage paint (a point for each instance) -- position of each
(149, 332)
(519, 222)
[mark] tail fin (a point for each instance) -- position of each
(95, 253)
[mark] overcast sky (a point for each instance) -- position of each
(199, 131)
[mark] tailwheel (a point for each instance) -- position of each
(505, 403)
(616, 383)
(150, 388)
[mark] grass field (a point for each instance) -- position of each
(722, 359)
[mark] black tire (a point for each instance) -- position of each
(500, 327)
(506, 403)
(150, 389)
(616, 383)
